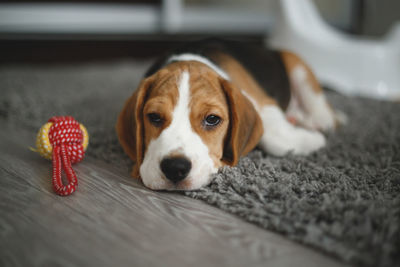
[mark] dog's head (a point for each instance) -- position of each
(183, 123)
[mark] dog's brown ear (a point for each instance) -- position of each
(129, 125)
(245, 126)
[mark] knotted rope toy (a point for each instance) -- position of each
(64, 141)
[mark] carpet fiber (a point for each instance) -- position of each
(343, 199)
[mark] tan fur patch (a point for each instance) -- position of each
(207, 98)
(162, 100)
(241, 78)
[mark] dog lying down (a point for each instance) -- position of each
(207, 104)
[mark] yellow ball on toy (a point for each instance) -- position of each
(43, 146)
(64, 141)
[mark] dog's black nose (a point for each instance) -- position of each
(176, 168)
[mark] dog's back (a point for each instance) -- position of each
(265, 65)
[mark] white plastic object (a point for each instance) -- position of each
(350, 65)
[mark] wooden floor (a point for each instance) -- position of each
(113, 221)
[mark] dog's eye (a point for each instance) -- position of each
(155, 119)
(211, 121)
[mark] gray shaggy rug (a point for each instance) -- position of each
(343, 199)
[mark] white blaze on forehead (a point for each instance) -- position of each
(180, 117)
(180, 138)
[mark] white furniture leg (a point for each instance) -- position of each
(350, 65)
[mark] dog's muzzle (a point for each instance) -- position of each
(176, 169)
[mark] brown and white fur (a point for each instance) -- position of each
(164, 126)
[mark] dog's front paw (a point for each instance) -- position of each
(328, 120)
(297, 140)
(308, 141)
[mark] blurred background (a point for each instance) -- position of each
(85, 30)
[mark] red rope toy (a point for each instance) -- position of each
(64, 141)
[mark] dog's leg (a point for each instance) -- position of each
(281, 137)
(308, 106)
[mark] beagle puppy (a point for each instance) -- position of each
(207, 104)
